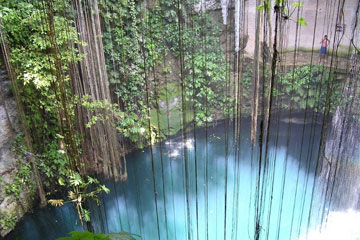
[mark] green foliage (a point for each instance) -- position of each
(205, 67)
(22, 178)
(132, 49)
(25, 25)
(7, 220)
(297, 4)
(100, 236)
(265, 6)
(308, 87)
(27, 30)
(82, 190)
(302, 22)
(103, 108)
(53, 162)
(205, 81)
(131, 126)
(286, 13)
(127, 124)
(21, 181)
(136, 43)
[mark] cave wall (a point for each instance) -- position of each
(12, 207)
(325, 22)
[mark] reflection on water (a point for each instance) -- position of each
(202, 188)
(339, 225)
(176, 147)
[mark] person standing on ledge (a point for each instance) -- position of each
(323, 50)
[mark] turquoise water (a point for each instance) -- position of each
(209, 194)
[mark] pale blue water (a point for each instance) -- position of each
(180, 204)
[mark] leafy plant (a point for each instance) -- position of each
(26, 27)
(22, 179)
(7, 220)
(81, 191)
(307, 86)
(205, 67)
(27, 33)
(124, 49)
(125, 65)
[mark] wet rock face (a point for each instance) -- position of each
(7, 134)
(11, 209)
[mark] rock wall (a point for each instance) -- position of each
(326, 20)
(324, 23)
(12, 206)
(341, 160)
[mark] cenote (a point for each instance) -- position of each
(179, 119)
(215, 195)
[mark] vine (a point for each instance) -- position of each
(127, 40)
(205, 68)
(41, 52)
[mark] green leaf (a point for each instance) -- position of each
(260, 8)
(297, 4)
(61, 181)
(92, 180)
(302, 22)
(59, 136)
(105, 189)
(76, 179)
(85, 214)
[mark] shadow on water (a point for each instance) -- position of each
(164, 201)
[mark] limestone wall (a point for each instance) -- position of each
(322, 19)
(12, 206)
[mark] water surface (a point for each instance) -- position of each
(205, 187)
